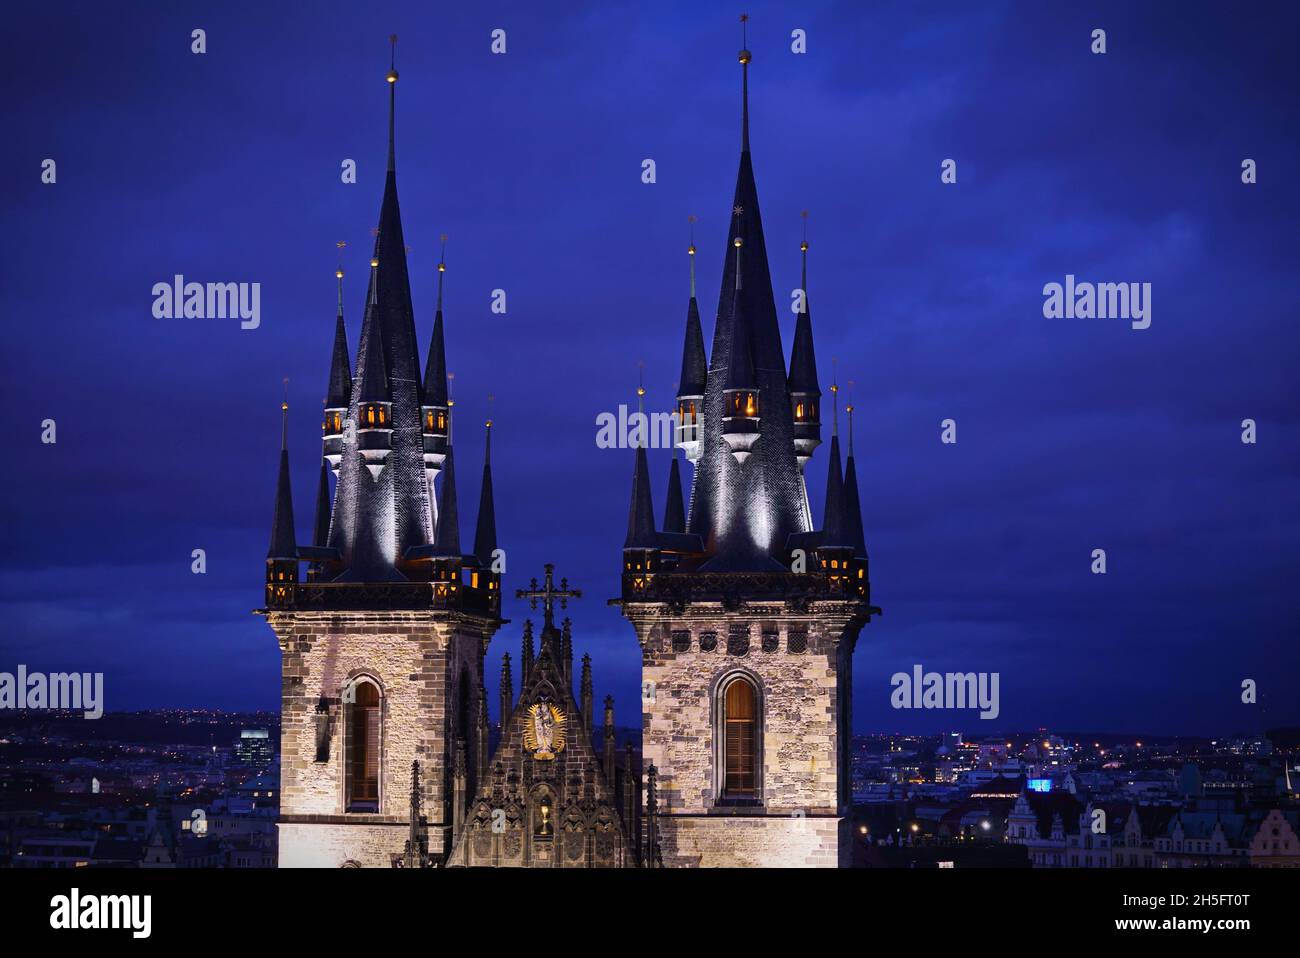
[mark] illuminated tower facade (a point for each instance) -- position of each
(383, 643)
(747, 618)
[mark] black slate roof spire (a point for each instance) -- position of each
(695, 365)
(284, 544)
(379, 518)
(803, 359)
(340, 384)
(833, 531)
(323, 507)
(485, 534)
(852, 504)
(435, 368)
(641, 511)
(745, 514)
(447, 540)
(372, 377)
(674, 509)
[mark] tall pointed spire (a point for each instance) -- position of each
(373, 383)
(803, 359)
(340, 382)
(435, 368)
(641, 513)
(833, 508)
(283, 542)
(447, 539)
(695, 365)
(321, 528)
(852, 504)
(675, 509)
(485, 533)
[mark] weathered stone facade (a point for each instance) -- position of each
(801, 666)
(425, 663)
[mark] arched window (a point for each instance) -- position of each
(363, 738)
(740, 739)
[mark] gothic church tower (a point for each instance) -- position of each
(746, 614)
(384, 714)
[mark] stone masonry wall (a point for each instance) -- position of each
(417, 660)
(794, 660)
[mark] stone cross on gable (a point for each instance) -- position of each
(549, 594)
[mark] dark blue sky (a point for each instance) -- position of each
(1073, 434)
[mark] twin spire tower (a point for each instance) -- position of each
(383, 641)
(747, 613)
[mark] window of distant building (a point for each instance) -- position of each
(363, 741)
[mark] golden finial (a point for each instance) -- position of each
(340, 245)
(849, 408)
(442, 264)
(640, 380)
(803, 245)
(374, 262)
(491, 399)
(691, 249)
(392, 67)
(284, 403)
(745, 56)
(451, 378)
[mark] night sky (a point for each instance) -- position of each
(1072, 434)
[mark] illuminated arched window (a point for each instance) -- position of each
(739, 732)
(363, 737)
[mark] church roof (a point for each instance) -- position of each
(728, 495)
(641, 513)
(695, 366)
(834, 528)
(485, 533)
(323, 507)
(447, 540)
(803, 358)
(853, 507)
(340, 383)
(283, 541)
(674, 508)
(377, 520)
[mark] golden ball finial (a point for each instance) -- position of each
(640, 390)
(835, 388)
(374, 262)
(737, 242)
(690, 250)
(803, 247)
(745, 56)
(338, 273)
(489, 423)
(284, 407)
(391, 76)
(442, 267)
